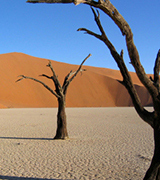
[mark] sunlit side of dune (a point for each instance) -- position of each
(96, 87)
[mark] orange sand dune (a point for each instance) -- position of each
(96, 87)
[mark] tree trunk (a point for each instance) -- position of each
(153, 172)
(61, 132)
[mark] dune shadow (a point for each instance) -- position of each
(22, 178)
(26, 138)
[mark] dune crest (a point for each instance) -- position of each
(97, 87)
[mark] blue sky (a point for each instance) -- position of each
(50, 31)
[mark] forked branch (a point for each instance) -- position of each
(76, 72)
(71, 75)
(54, 77)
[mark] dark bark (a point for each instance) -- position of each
(153, 172)
(61, 132)
(49, 1)
(153, 88)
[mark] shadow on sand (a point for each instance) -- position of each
(22, 178)
(26, 138)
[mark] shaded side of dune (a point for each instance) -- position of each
(97, 87)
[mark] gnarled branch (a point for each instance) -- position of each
(127, 81)
(47, 87)
(55, 78)
(90, 33)
(156, 71)
(44, 75)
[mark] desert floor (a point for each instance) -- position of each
(105, 143)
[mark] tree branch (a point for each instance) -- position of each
(75, 74)
(49, 1)
(44, 75)
(71, 74)
(97, 19)
(156, 71)
(47, 87)
(76, 2)
(55, 78)
(90, 33)
(127, 81)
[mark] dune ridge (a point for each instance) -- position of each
(96, 87)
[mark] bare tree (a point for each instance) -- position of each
(152, 85)
(60, 93)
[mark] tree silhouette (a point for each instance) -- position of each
(151, 84)
(60, 93)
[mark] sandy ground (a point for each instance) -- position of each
(105, 143)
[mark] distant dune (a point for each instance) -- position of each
(96, 87)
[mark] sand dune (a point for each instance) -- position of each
(97, 87)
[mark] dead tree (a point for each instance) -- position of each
(60, 93)
(152, 85)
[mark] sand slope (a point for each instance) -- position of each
(97, 87)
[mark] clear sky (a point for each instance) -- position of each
(50, 31)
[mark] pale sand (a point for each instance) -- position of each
(105, 143)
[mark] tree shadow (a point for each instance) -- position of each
(27, 138)
(22, 178)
